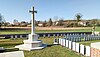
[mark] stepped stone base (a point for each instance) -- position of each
(31, 44)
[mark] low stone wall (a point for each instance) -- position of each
(95, 49)
(95, 52)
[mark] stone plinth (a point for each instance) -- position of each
(31, 45)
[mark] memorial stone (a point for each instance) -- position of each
(32, 43)
(82, 47)
(77, 47)
(44, 35)
(64, 42)
(87, 51)
(48, 35)
(73, 46)
(53, 35)
(70, 45)
(67, 43)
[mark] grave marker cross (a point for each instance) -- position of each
(33, 20)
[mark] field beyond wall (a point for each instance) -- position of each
(27, 30)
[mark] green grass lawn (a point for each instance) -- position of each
(44, 31)
(50, 51)
(87, 43)
(15, 32)
(41, 31)
(97, 29)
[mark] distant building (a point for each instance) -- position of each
(16, 23)
(23, 23)
(41, 24)
(82, 23)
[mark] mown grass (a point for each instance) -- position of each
(46, 31)
(15, 31)
(9, 43)
(50, 51)
(97, 29)
(88, 43)
(41, 31)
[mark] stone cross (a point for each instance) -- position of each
(33, 20)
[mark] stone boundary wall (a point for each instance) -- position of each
(95, 52)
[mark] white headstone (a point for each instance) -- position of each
(87, 51)
(66, 43)
(61, 35)
(59, 40)
(21, 36)
(82, 47)
(15, 36)
(12, 36)
(2, 48)
(64, 35)
(73, 46)
(58, 35)
(44, 35)
(77, 47)
(53, 35)
(70, 44)
(48, 35)
(63, 42)
(55, 41)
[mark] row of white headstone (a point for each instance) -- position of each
(20, 36)
(77, 38)
(91, 37)
(74, 39)
(54, 35)
(84, 50)
(65, 35)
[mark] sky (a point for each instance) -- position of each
(46, 9)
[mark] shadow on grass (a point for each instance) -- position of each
(11, 49)
(49, 45)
